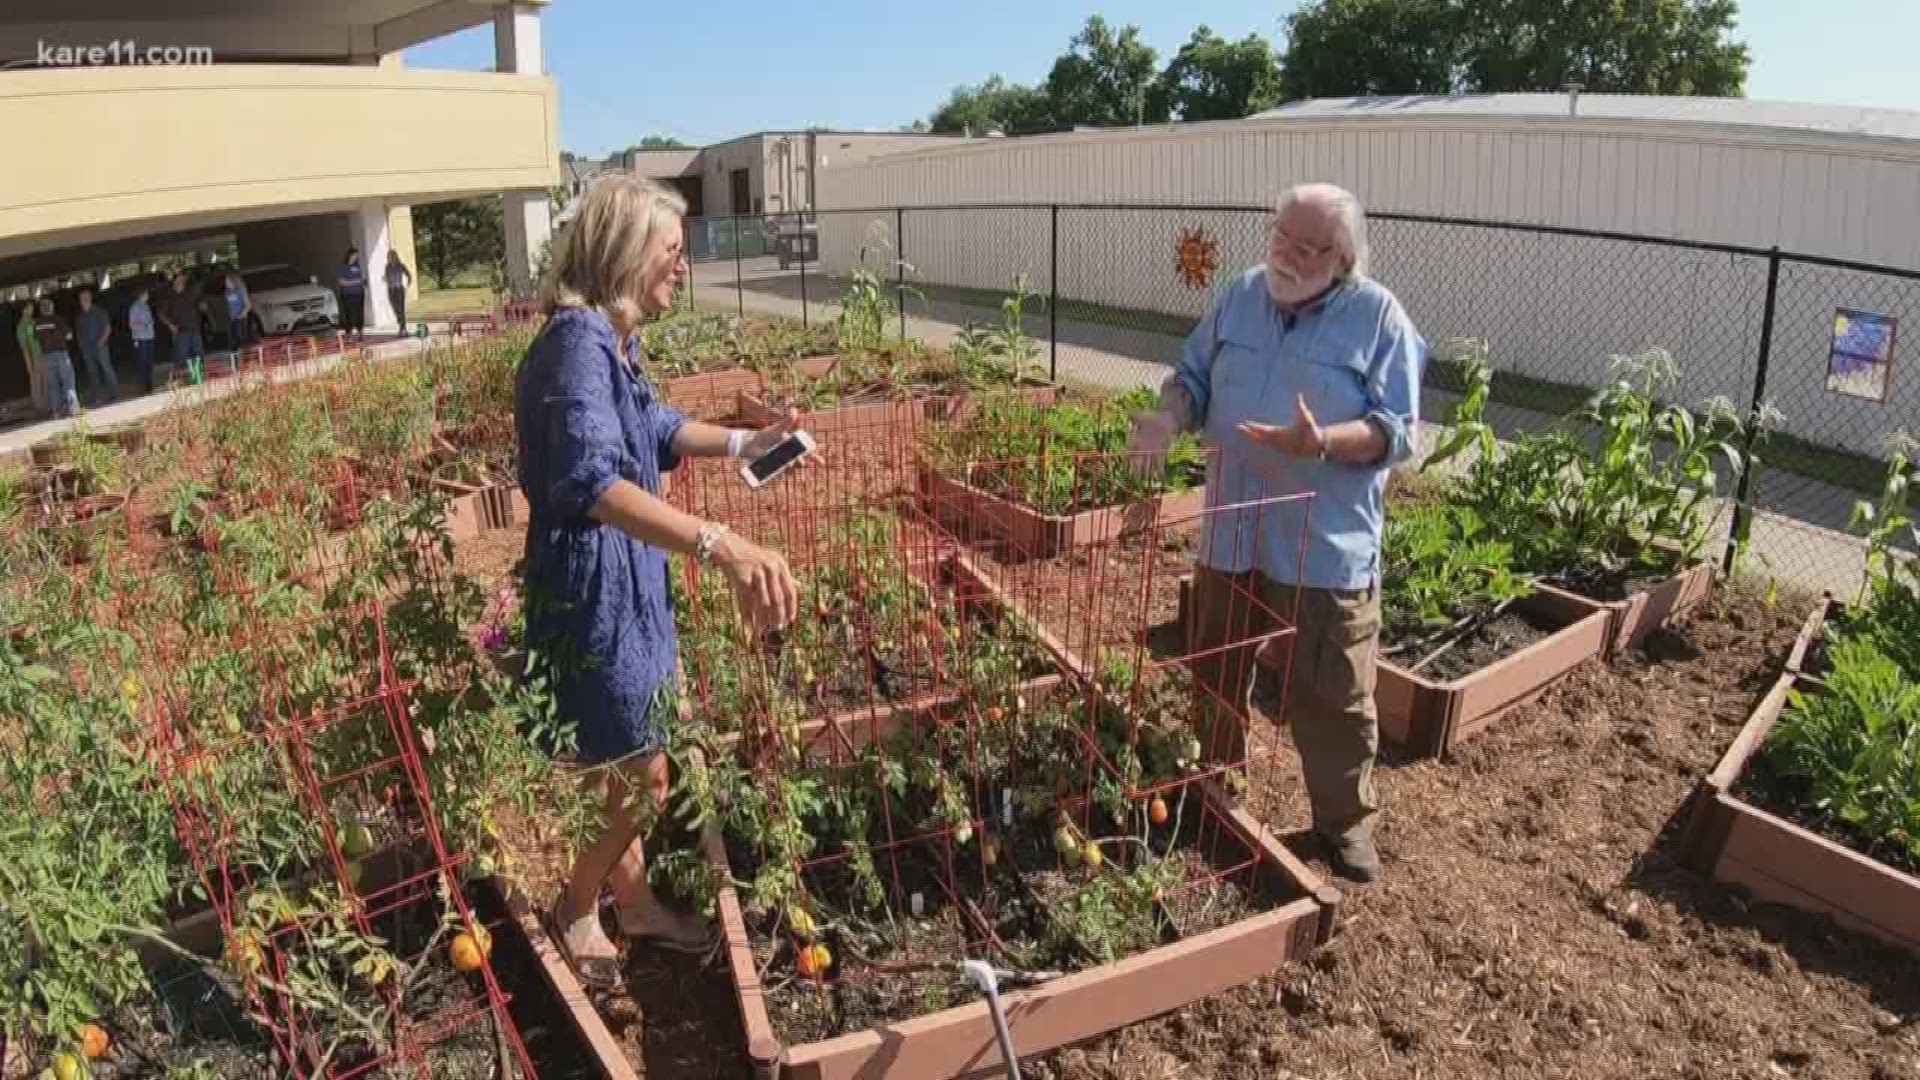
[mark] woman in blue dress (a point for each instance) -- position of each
(594, 440)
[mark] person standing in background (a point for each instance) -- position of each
(92, 330)
(399, 278)
(140, 326)
(30, 355)
(180, 311)
(239, 312)
(52, 335)
(353, 295)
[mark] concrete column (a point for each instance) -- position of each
(529, 225)
(516, 40)
(527, 215)
(369, 224)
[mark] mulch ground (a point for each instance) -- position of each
(1532, 921)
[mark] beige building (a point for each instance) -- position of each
(768, 172)
(289, 127)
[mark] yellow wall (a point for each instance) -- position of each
(90, 147)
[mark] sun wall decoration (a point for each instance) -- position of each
(1196, 258)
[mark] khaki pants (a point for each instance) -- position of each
(37, 382)
(1329, 701)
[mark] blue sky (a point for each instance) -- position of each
(629, 68)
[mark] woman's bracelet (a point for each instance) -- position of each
(703, 542)
(736, 443)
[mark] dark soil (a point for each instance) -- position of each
(855, 996)
(1612, 585)
(1533, 921)
(1488, 644)
(1767, 789)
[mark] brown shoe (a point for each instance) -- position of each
(1355, 859)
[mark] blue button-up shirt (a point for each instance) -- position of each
(1354, 355)
(598, 602)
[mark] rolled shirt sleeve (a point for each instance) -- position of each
(586, 447)
(1393, 384)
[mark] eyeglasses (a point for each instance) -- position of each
(1278, 241)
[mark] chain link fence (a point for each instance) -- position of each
(1111, 291)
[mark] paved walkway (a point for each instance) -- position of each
(1807, 548)
(17, 440)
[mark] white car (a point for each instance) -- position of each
(286, 301)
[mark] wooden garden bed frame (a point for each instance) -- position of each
(1777, 861)
(1035, 535)
(1632, 619)
(1431, 717)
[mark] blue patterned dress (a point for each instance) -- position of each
(598, 602)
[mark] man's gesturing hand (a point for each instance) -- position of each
(1151, 438)
(1302, 438)
(761, 582)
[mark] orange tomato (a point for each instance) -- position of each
(467, 954)
(815, 960)
(94, 1041)
(1157, 811)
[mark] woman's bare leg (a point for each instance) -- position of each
(578, 909)
(641, 912)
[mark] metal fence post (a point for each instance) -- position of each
(800, 240)
(1742, 512)
(1053, 294)
(900, 264)
(739, 282)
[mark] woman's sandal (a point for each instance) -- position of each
(595, 972)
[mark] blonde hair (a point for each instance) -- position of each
(616, 243)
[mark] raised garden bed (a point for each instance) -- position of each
(1734, 842)
(1540, 641)
(752, 408)
(1298, 914)
(980, 515)
(710, 395)
(1647, 609)
(1432, 710)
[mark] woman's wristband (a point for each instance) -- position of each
(704, 541)
(736, 443)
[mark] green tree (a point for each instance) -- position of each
(1349, 48)
(1340, 48)
(1105, 79)
(1211, 78)
(1620, 47)
(457, 236)
(994, 105)
(661, 142)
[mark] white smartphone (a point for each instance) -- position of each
(764, 469)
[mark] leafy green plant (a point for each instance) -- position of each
(1443, 568)
(1889, 604)
(998, 353)
(1638, 502)
(1853, 748)
(1059, 459)
(1467, 427)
